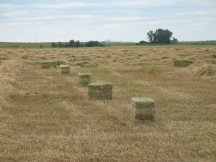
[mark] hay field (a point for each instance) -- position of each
(46, 116)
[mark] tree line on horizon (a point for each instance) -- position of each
(159, 36)
(77, 44)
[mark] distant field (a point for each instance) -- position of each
(48, 45)
(199, 43)
(118, 44)
(24, 45)
(45, 116)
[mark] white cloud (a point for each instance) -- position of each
(59, 6)
(7, 6)
(90, 4)
(196, 13)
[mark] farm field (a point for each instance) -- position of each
(46, 116)
(24, 45)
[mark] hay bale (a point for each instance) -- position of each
(65, 69)
(48, 64)
(144, 108)
(100, 91)
(182, 63)
(84, 78)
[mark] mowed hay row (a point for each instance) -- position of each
(48, 64)
(10, 70)
(206, 70)
(55, 121)
(182, 63)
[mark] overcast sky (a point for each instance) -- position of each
(119, 20)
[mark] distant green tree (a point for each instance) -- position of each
(142, 42)
(160, 36)
(151, 36)
(77, 43)
(72, 43)
(54, 45)
(174, 40)
(94, 44)
(66, 45)
(163, 36)
(60, 45)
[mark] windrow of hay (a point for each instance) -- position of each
(211, 61)
(206, 70)
(9, 72)
(48, 64)
(182, 63)
(85, 64)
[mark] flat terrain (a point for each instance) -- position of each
(45, 116)
(24, 45)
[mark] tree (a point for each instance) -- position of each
(142, 42)
(174, 40)
(66, 45)
(160, 36)
(54, 45)
(77, 43)
(72, 43)
(60, 44)
(151, 36)
(94, 44)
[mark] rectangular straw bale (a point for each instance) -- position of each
(144, 108)
(65, 69)
(84, 78)
(100, 91)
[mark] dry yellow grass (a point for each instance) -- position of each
(46, 116)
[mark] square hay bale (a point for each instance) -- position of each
(84, 78)
(182, 63)
(65, 69)
(144, 108)
(48, 64)
(100, 91)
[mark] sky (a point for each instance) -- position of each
(116, 20)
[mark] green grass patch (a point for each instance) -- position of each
(88, 65)
(151, 69)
